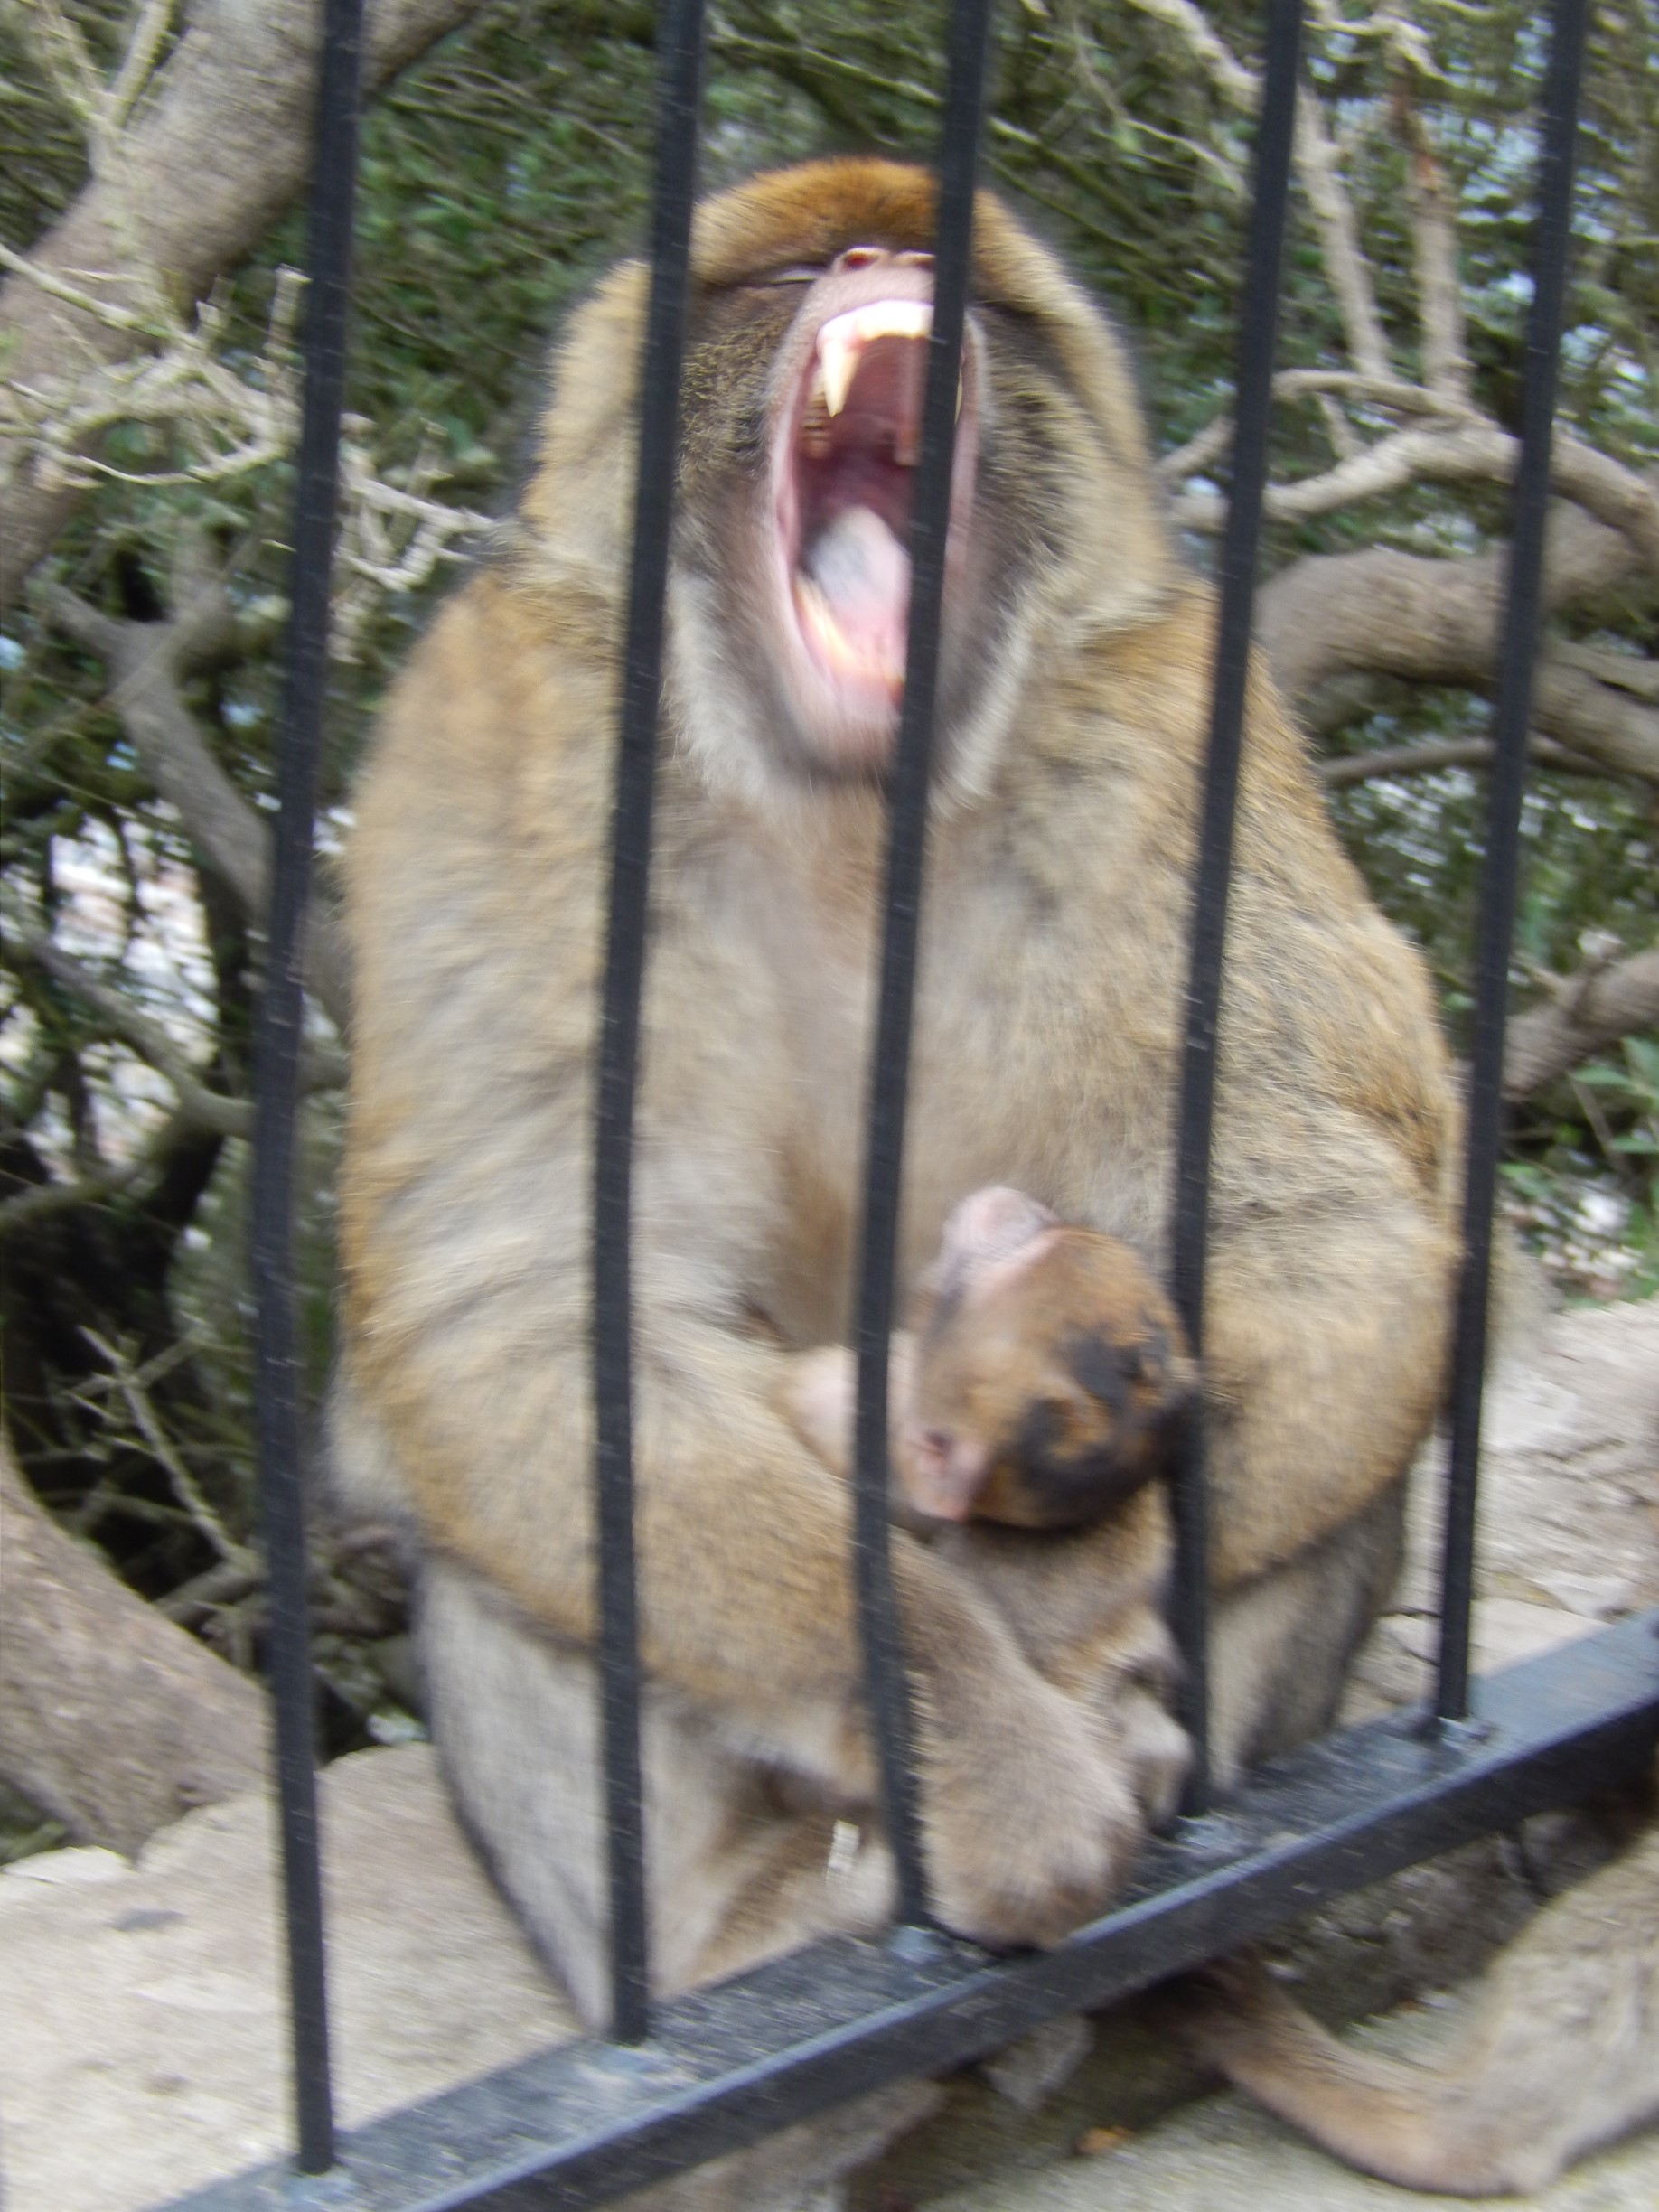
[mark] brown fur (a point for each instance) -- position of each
(1073, 707)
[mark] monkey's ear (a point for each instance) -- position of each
(942, 1473)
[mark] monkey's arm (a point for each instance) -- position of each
(744, 1570)
(1325, 1347)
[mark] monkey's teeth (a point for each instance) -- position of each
(815, 421)
(820, 625)
(843, 339)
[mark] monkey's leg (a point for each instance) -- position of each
(735, 1874)
(1280, 1646)
(731, 1876)
(1402, 2123)
(1557, 2055)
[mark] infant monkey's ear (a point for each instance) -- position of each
(1049, 1371)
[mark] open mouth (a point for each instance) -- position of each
(849, 440)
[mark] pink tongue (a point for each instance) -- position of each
(864, 574)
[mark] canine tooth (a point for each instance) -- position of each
(842, 339)
(838, 364)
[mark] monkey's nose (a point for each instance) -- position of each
(869, 257)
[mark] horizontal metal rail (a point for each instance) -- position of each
(587, 2120)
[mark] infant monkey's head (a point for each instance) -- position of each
(1049, 1367)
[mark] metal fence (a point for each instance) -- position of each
(684, 2081)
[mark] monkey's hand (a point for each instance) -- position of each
(820, 1396)
(1029, 1829)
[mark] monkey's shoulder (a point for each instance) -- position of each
(493, 741)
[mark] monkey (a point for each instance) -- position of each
(1075, 652)
(1037, 1384)
(1036, 1391)
(1557, 2055)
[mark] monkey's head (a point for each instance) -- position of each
(1049, 1371)
(811, 309)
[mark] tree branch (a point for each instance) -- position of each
(143, 661)
(1409, 760)
(199, 1107)
(111, 1718)
(1434, 237)
(215, 153)
(1584, 1014)
(44, 1199)
(1433, 621)
(1458, 450)
(1346, 266)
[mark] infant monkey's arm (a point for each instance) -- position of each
(1038, 1381)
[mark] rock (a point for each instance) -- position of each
(142, 2028)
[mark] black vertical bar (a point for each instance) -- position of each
(1551, 239)
(1275, 132)
(907, 835)
(279, 1377)
(680, 57)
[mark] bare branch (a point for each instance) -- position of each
(1199, 453)
(1460, 450)
(133, 1385)
(1434, 238)
(1584, 1015)
(1406, 613)
(1409, 760)
(1346, 266)
(136, 63)
(105, 312)
(199, 1107)
(205, 166)
(46, 1199)
(1619, 732)
(1623, 671)
(1216, 437)
(143, 661)
(1239, 86)
(1387, 613)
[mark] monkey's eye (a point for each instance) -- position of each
(784, 276)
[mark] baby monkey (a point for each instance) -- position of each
(1037, 1384)
(1034, 1399)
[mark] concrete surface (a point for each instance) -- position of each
(141, 2045)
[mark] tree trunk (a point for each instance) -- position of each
(111, 1718)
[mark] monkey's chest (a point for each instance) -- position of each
(1014, 1078)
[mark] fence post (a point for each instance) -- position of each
(1497, 917)
(280, 1379)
